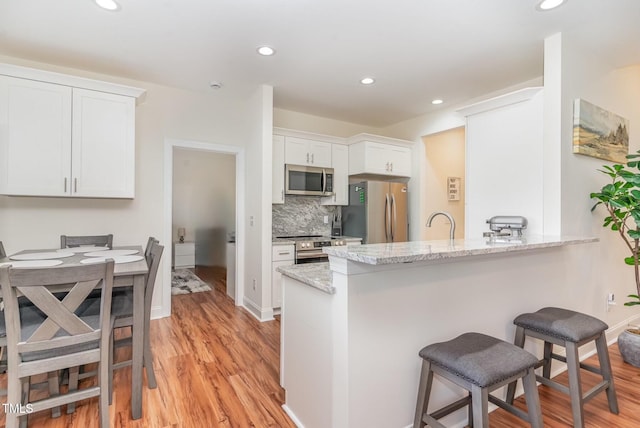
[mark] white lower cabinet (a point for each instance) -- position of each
(282, 255)
(184, 254)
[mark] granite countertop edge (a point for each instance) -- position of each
(417, 251)
(316, 275)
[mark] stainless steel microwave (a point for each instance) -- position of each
(308, 180)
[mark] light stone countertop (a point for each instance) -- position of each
(316, 275)
(417, 251)
(282, 241)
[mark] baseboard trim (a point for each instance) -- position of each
(259, 313)
(293, 416)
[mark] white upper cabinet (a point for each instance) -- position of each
(103, 145)
(368, 157)
(35, 137)
(300, 151)
(340, 165)
(277, 162)
(57, 139)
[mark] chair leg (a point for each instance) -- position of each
(74, 374)
(480, 403)
(605, 369)
(54, 390)
(25, 397)
(147, 359)
(546, 369)
(511, 389)
(575, 385)
(103, 382)
(111, 351)
(424, 391)
(532, 398)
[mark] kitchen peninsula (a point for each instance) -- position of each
(352, 328)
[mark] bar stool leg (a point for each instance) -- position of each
(480, 403)
(605, 368)
(424, 391)
(546, 368)
(575, 385)
(470, 412)
(511, 389)
(532, 398)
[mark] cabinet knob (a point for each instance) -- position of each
(307, 157)
(390, 166)
(65, 185)
(312, 158)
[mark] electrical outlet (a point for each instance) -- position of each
(611, 301)
(326, 219)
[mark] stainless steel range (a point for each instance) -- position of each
(309, 247)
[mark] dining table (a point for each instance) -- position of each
(130, 270)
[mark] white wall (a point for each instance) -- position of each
(319, 125)
(221, 117)
(414, 129)
(257, 224)
(582, 75)
(445, 155)
(505, 161)
(204, 200)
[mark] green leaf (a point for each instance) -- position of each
(631, 303)
(630, 261)
(633, 234)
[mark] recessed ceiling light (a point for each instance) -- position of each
(549, 4)
(108, 4)
(437, 101)
(266, 50)
(367, 80)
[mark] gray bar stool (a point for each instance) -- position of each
(479, 364)
(557, 326)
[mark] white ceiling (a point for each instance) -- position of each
(416, 49)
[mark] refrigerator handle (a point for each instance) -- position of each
(394, 217)
(387, 220)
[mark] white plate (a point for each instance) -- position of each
(111, 253)
(81, 249)
(41, 256)
(32, 263)
(116, 259)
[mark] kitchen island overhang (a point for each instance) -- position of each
(352, 329)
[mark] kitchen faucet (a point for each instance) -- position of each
(452, 229)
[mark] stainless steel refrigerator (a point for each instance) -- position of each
(377, 212)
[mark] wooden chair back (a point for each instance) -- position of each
(3, 253)
(52, 334)
(155, 255)
(67, 241)
(147, 250)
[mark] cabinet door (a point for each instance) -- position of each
(103, 160)
(377, 156)
(277, 162)
(296, 151)
(320, 154)
(35, 138)
(400, 161)
(276, 283)
(340, 163)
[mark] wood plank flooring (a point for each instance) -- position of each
(217, 366)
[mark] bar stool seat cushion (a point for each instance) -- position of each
(562, 324)
(480, 359)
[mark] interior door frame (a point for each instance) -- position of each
(169, 145)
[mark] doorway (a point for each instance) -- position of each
(444, 182)
(191, 158)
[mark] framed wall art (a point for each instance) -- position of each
(599, 133)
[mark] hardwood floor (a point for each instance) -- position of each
(217, 366)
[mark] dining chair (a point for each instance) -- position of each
(3, 253)
(51, 334)
(77, 241)
(122, 309)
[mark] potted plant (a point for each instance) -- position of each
(621, 198)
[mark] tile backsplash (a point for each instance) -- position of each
(301, 215)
